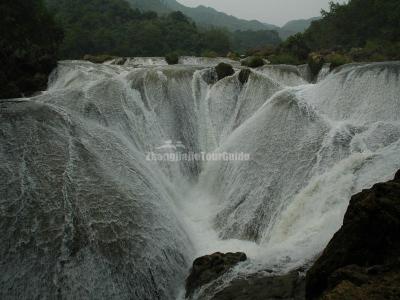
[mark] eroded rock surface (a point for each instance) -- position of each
(209, 267)
(362, 261)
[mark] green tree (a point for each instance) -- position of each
(29, 40)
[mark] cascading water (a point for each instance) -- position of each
(85, 215)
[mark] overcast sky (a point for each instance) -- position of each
(276, 12)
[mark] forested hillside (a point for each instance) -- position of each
(29, 40)
(355, 24)
(202, 15)
(295, 26)
(113, 27)
(249, 39)
(360, 30)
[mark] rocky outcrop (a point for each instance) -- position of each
(315, 62)
(223, 70)
(362, 261)
(260, 286)
(207, 268)
(284, 287)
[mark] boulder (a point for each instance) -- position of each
(363, 257)
(207, 268)
(223, 70)
(315, 62)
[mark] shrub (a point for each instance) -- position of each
(223, 70)
(209, 54)
(253, 62)
(376, 51)
(284, 58)
(172, 58)
(336, 60)
(233, 56)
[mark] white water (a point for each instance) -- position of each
(106, 222)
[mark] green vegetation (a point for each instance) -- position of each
(354, 24)
(244, 40)
(295, 26)
(111, 26)
(172, 58)
(223, 70)
(284, 58)
(28, 47)
(209, 54)
(253, 62)
(336, 60)
(205, 17)
(360, 31)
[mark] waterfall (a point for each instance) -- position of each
(85, 214)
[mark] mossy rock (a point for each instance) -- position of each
(244, 75)
(233, 56)
(172, 58)
(223, 70)
(253, 62)
(315, 61)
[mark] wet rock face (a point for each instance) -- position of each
(284, 287)
(362, 261)
(244, 75)
(223, 70)
(208, 268)
(69, 228)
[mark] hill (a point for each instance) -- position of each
(202, 15)
(295, 26)
(112, 27)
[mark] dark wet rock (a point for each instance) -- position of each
(224, 70)
(207, 268)
(244, 75)
(210, 76)
(362, 261)
(315, 62)
(285, 287)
